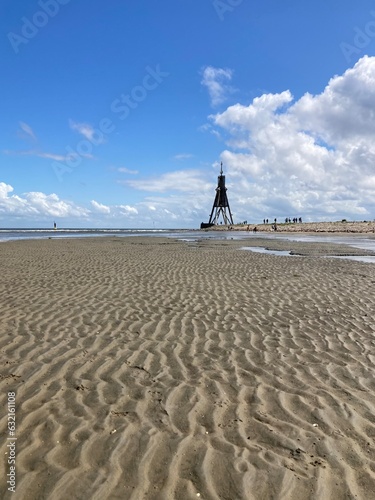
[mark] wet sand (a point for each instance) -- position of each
(146, 368)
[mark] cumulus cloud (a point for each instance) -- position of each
(99, 207)
(216, 81)
(128, 210)
(311, 156)
(36, 204)
(153, 211)
(115, 211)
(172, 211)
(284, 157)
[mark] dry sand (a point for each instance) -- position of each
(155, 369)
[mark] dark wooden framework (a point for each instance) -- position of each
(221, 204)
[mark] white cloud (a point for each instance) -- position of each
(128, 210)
(181, 180)
(216, 81)
(116, 211)
(124, 170)
(48, 156)
(88, 132)
(183, 156)
(27, 131)
(99, 207)
(311, 156)
(165, 211)
(51, 156)
(36, 205)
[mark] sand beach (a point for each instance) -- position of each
(149, 368)
(344, 226)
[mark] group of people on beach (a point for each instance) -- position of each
(294, 220)
(288, 220)
(274, 225)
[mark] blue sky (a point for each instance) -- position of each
(117, 114)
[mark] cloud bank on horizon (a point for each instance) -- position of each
(283, 157)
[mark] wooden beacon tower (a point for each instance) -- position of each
(221, 204)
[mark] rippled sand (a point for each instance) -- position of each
(154, 369)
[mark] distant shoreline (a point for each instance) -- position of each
(302, 227)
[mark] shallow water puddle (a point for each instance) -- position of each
(266, 250)
(287, 253)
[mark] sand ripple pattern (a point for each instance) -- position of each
(154, 369)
